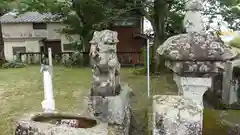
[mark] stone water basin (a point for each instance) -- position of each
(48, 123)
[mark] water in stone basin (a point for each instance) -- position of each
(68, 121)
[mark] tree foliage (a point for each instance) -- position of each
(5, 6)
(229, 9)
(81, 17)
(166, 17)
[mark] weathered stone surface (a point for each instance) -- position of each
(123, 128)
(193, 20)
(105, 65)
(195, 67)
(108, 101)
(112, 109)
(193, 87)
(176, 115)
(195, 53)
(44, 124)
(195, 46)
(194, 5)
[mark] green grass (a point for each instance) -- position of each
(21, 91)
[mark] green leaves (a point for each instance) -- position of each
(8, 5)
(235, 42)
(83, 16)
(229, 2)
(230, 10)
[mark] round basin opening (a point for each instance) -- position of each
(81, 122)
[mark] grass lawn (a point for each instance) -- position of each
(21, 91)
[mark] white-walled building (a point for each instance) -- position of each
(33, 32)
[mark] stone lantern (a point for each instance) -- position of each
(194, 57)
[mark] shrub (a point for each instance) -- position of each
(139, 71)
(75, 60)
(2, 61)
(14, 65)
(143, 71)
(235, 42)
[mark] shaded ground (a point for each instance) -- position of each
(219, 121)
(21, 91)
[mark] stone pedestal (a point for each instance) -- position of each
(193, 87)
(176, 115)
(114, 110)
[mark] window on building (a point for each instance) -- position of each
(68, 47)
(42, 49)
(18, 50)
(39, 26)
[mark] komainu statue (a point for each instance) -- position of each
(109, 101)
(105, 65)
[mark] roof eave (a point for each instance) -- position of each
(4, 22)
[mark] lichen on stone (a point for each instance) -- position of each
(105, 65)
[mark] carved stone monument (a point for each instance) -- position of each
(194, 57)
(105, 65)
(109, 100)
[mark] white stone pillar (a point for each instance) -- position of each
(48, 104)
(193, 87)
(176, 115)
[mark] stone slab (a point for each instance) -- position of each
(197, 81)
(176, 115)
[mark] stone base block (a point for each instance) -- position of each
(114, 110)
(176, 115)
(47, 124)
(111, 109)
(121, 129)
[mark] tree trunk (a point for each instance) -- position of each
(2, 56)
(160, 14)
(86, 48)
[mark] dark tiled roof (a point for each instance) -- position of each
(28, 17)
